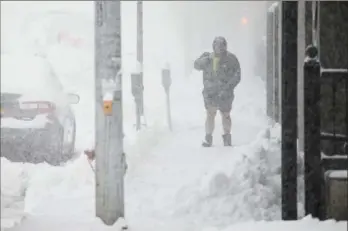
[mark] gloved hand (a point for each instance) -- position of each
(206, 54)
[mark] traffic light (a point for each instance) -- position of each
(244, 20)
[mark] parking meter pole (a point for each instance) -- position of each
(137, 92)
(140, 54)
(110, 159)
(166, 83)
(138, 116)
(169, 114)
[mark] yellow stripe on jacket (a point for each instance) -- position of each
(215, 63)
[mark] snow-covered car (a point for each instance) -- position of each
(37, 121)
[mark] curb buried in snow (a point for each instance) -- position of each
(13, 193)
(13, 189)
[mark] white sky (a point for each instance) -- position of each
(170, 28)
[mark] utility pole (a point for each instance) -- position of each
(110, 158)
(138, 82)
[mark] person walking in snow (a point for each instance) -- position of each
(221, 74)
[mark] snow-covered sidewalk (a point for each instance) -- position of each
(175, 186)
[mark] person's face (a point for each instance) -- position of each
(219, 47)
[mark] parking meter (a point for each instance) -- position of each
(137, 85)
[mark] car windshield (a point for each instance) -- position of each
(28, 75)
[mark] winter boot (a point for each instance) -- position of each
(208, 141)
(227, 139)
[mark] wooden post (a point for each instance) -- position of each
(312, 154)
(110, 159)
(289, 109)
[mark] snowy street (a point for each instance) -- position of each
(172, 182)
